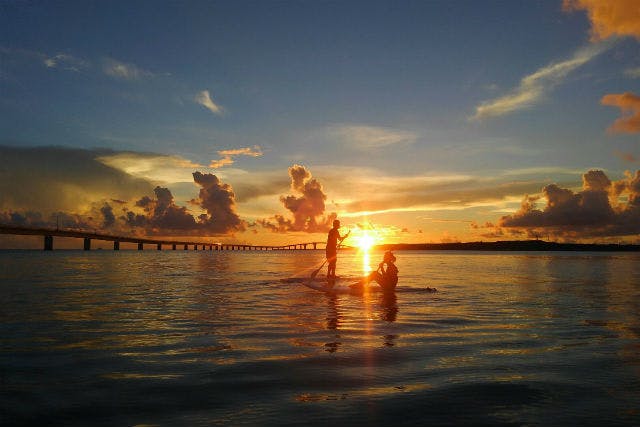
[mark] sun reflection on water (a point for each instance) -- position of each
(365, 239)
(366, 260)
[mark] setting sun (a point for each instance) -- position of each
(365, 240)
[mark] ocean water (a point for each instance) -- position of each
(195, 338)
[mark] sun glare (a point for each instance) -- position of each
(365, 240)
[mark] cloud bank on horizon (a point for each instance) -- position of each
(74, 189)
(602, 208)
(113, 201)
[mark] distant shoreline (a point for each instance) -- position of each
(513, 245)
(498, 246)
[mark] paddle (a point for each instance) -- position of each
(315, 272)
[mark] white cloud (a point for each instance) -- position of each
(204, 98)
(123, 71)
(65, 61)
(533, 88)
(365, 137)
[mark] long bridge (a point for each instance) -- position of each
(48, 235)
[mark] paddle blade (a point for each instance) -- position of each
(315, 272)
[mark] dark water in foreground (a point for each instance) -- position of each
(202, 338)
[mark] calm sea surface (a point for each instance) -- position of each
(217, 338)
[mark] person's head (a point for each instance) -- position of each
(336, 223)
(389, 257)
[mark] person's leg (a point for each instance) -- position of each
(359, 285)
(331, 265)
(331, 274)
(386, 285)
(375, 276)
(331, 269)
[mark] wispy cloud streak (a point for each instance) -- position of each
(65, 62)
(535, 86)
(124, 71)
(365, 137)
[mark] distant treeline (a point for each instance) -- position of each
(512, 245)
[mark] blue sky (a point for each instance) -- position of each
(366, 94)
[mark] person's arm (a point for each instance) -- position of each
(382, 270)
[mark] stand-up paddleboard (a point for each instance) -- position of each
(340, 286)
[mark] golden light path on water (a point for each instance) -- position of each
(366, 261)
(368, 309)
(365, 239)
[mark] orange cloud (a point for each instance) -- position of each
(227, 155)
(216, 164)
(609, 17)
(629, 105)
(254, 151)
(307, 209)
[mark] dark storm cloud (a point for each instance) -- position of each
(601, 208)
(307, 208)
(38, 219)
(48, 179)
(166, 215)
(70, 188)
(162, 215)
(109, 219)
(218, 199)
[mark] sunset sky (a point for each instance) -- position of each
(261, 121)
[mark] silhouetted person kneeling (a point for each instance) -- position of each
(387, 277)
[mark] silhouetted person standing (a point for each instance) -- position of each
(333, 238)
